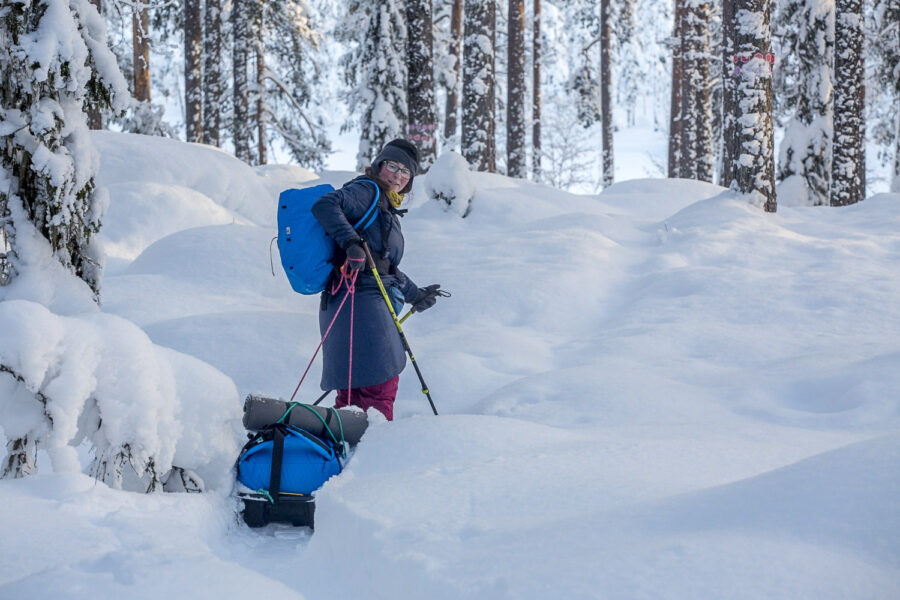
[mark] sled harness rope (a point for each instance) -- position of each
(348, 278)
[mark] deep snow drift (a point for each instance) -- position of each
(657, 392)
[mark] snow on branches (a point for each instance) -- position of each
(375, 68)
(54, 63)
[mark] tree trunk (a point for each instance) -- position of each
(94, 116)
(536, 92)
(895, 184)
(241, 124)
(729, 109)
(261, 100)
(515, 91)
(193, 70)
(212, 72)
(140, 28)
(420, 81)
(452, 108)
(676, 97)
(608, 174)
(754, 151)
(848, 181)
(478, 85)
(696, 112)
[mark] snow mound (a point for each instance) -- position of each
(170, 208)
(138, 159)
(449, 181)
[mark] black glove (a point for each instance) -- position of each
(426, 297)
(356, 257)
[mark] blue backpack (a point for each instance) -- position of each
(306, 250)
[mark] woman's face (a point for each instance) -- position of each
(394, 174)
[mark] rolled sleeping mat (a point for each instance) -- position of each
(260, 412)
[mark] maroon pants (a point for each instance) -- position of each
(380, 397)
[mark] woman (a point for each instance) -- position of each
(378, 354)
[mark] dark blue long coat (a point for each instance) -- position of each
(378, 353)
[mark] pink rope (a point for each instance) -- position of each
(351, 288)
(352, 292)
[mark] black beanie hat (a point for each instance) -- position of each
(401, 151)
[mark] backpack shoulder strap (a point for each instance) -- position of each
(369, 217)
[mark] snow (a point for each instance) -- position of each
(656, 392)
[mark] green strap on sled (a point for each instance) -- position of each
(342, 443)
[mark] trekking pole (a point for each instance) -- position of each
(406, 347)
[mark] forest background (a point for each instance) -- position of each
(323, 82)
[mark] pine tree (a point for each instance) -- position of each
(193, 70)
(47, 168)
(47, 162)
(258, 17)
(848, 178)
(478, 146)
(885, 53)
(808, 45)
(753, 149)
(608, 174)
(630, 76)
(212, 71)
(515, 88)
(293, 69)
(375, 69)
(140, 26)
(696, 111)
(729, 91)
(94, 114)
(536, 58)
(676, 100)
(420, 87)
(451, 110)
(240, 28)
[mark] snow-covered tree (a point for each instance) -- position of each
(240, 120)
(569, 159)
(884, 37)
(753, 150)
(420, 88)
(608, 167)
(259, 91)
(193, 69)
(730, 74)
(627, 59)
(807, 45)
(478, 144)
(375, 69)
(54, 62)
(140, 26)
(212, 71)
(447, 67)
(293, 103)
(515, 88)
(696, 111)
(536, 85)
(676, 99)
(848, 176)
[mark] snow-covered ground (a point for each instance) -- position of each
(657, 392)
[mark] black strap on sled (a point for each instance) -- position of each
(277, 459)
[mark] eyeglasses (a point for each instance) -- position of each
(393, 167)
